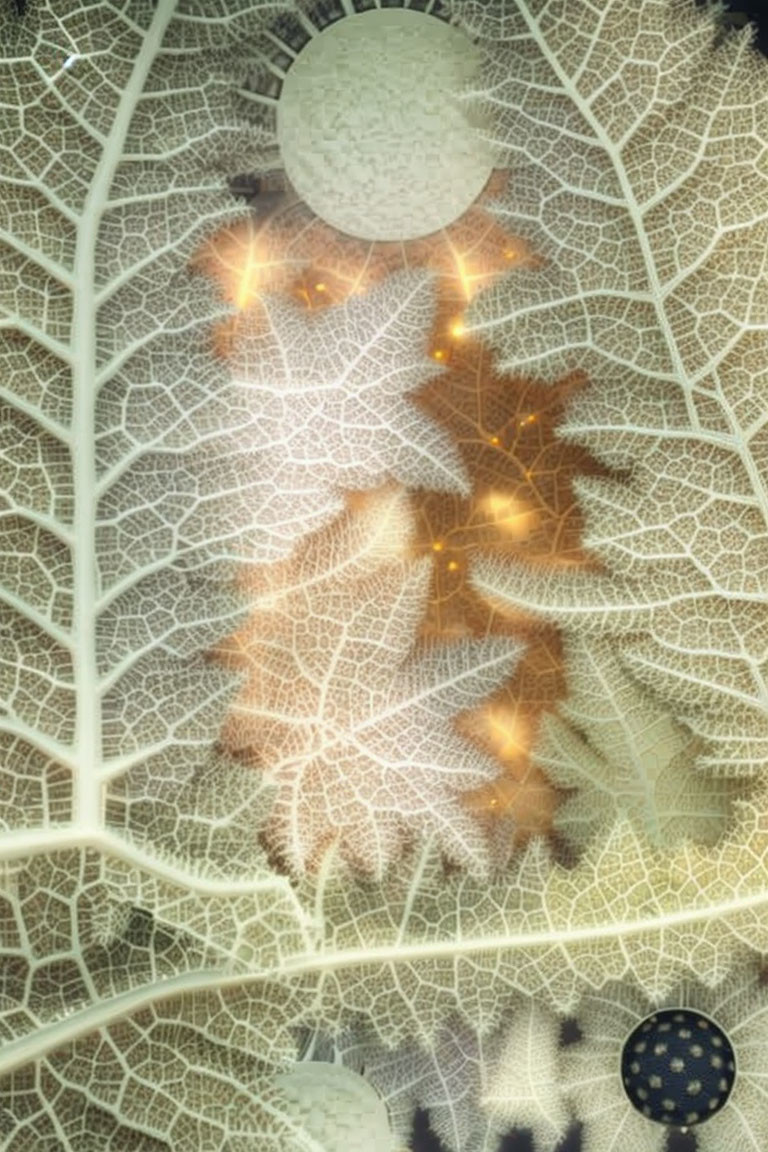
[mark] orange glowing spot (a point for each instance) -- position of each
(452, 565)
(457, 330)
(439, 353)
(495, 440)
(438, 546)
(528, 473)
(320, 287)
(509, 253)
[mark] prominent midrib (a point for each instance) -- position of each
(656, 293)
(87, 798)
(83, 1021)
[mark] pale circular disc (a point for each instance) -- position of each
(372, 136)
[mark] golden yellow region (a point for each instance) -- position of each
(238, 261)
(471, 281)
(522, 792)
(464, 279)
(508, 733)
(509, 515)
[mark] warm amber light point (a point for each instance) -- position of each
(452, 565)
(438, 354)
(507, 512)
(463, 277)
(237, 259)
(438, 546)
(458, 330)
(509, 734)
(320, 287)
(495, 440)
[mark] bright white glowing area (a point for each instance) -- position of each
(372, 135)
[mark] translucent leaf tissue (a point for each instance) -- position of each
(383, 575)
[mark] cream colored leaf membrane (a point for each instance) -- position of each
(336, 1107)
(371, 134)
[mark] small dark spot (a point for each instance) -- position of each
(570, 1033)
(259, 193)
(247, 184)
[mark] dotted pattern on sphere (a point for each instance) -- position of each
(678, 1067)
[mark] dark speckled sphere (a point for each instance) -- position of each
(678, 1067)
